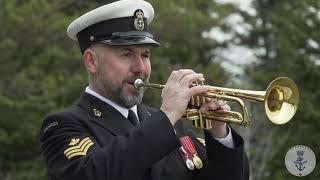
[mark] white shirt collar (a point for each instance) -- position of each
(124, 111)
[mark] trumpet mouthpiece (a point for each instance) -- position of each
(138, 83)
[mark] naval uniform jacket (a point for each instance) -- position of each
(92, 140)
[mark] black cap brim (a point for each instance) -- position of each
(131, 38)
(131, 41)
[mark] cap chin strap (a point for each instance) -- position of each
(125, 35)
(117, 35)
(129, 38)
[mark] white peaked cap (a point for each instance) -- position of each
(101, 23)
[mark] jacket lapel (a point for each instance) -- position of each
(104, 115)
(143, 113)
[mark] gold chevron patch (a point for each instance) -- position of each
(78, 150)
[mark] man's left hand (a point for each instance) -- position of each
(219, 129)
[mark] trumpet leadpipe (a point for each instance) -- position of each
(138, 84)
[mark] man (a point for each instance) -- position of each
(108, 135)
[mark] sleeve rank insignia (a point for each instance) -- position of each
(78, 148)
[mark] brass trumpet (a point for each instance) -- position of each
(281, 101)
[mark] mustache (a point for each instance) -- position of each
(136, 76)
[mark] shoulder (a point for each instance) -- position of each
(68, 116)
(68, 113)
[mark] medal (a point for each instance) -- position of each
(190, 153)
(197, 162)
(189, 164)
(187, 157)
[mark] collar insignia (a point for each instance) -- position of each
(97, 113)
(203, 142)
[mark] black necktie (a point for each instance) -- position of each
(132, 117)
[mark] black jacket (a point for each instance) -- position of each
(92, 140)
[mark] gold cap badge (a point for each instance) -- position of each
(138, 20)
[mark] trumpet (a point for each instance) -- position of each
(280, 99)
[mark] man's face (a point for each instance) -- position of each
(117, 69)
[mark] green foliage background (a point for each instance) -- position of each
(41, 70)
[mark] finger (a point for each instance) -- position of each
(214, 105)
(179, 74)
(213, 100)
(204, 108)
(222, 102)
(209, 99)
(161, 94)
(197, 90)
(225, 107)
(210, 106)
(189, 78)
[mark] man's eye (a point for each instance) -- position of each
(128, 54)
(146, 55)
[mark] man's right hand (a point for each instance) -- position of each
(178, 91)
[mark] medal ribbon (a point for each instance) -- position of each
(189, 150)
(188, 145)
(187, 158)
(185, 153)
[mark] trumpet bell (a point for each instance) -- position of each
(281, 100)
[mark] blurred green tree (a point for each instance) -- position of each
(285, 37)
(42, 70)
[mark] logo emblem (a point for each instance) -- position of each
(138, 20)
(300, 160)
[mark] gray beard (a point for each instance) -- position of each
(117, 94)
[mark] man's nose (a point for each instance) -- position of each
(138, 65)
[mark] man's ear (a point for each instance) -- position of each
(90, 60)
